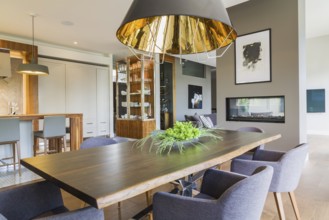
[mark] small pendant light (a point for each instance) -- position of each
(32, 68)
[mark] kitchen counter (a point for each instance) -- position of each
(27, 127)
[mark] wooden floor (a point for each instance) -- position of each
(312, 194)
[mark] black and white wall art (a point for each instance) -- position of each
(253, 57)
(194, 97)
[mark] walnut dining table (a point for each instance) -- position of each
(105, 175)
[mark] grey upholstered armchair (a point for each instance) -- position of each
(223, 195)
(40, 200)
(101, 141)
(287, 171)
(97, 142)
(250, 154)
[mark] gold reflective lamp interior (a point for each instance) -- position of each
(177, 27)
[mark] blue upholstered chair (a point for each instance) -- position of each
(223, 195)
(287, 166)
(53, 127)
(10, 134)
(41, 200)
(249, 154)
(101, 141)
(97, 142)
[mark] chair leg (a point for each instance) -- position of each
(64, 142)
(35, 146)
(13, 145)
(294, 204)
(18, 150)
(148, 195)
(119, 210)
(279, 205)
(45, 145)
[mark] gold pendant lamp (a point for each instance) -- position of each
(177, 27)
(32, 68)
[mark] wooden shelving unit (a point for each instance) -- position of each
(135, 97)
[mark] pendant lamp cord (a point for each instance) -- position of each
(32, 38)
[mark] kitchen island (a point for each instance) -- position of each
(27, 122)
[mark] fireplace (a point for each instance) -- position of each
(256, 109)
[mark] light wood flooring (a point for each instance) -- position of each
(312, 193)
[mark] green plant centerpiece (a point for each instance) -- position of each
(180, 136)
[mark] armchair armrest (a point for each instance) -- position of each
(267, 155)
(86, 213)
(169, 206)
(247, 167)
(216, 182)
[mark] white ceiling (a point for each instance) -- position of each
(93, 23)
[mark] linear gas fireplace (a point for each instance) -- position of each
(256, 109)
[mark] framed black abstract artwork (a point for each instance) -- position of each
(253, 57)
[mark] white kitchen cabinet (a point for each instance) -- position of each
(52, 88)
(77, 88)
(103, 101)
(81, 95)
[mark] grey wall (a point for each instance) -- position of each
(318, 78)
(282, 17)
(182, 82)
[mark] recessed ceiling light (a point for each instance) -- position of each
(67, 23)
(75, 42)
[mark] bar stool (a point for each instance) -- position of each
(10, 134)
(53, 127)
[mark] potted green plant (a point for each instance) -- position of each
(183, 134)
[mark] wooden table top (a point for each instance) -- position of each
(106, 175)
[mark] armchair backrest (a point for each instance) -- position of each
(28, 201)
(97, 142)
(54, 126)
(9, 129)
(246, 198)
(253, 129)
(287, 174)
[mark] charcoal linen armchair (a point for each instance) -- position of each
(223, 196)
(40, 200)
(287, 166)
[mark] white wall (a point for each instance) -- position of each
(182, 82)
(318, 78)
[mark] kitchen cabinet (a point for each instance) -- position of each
(81, 95)
(77, 88)
(103, 101)
(52, 88)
